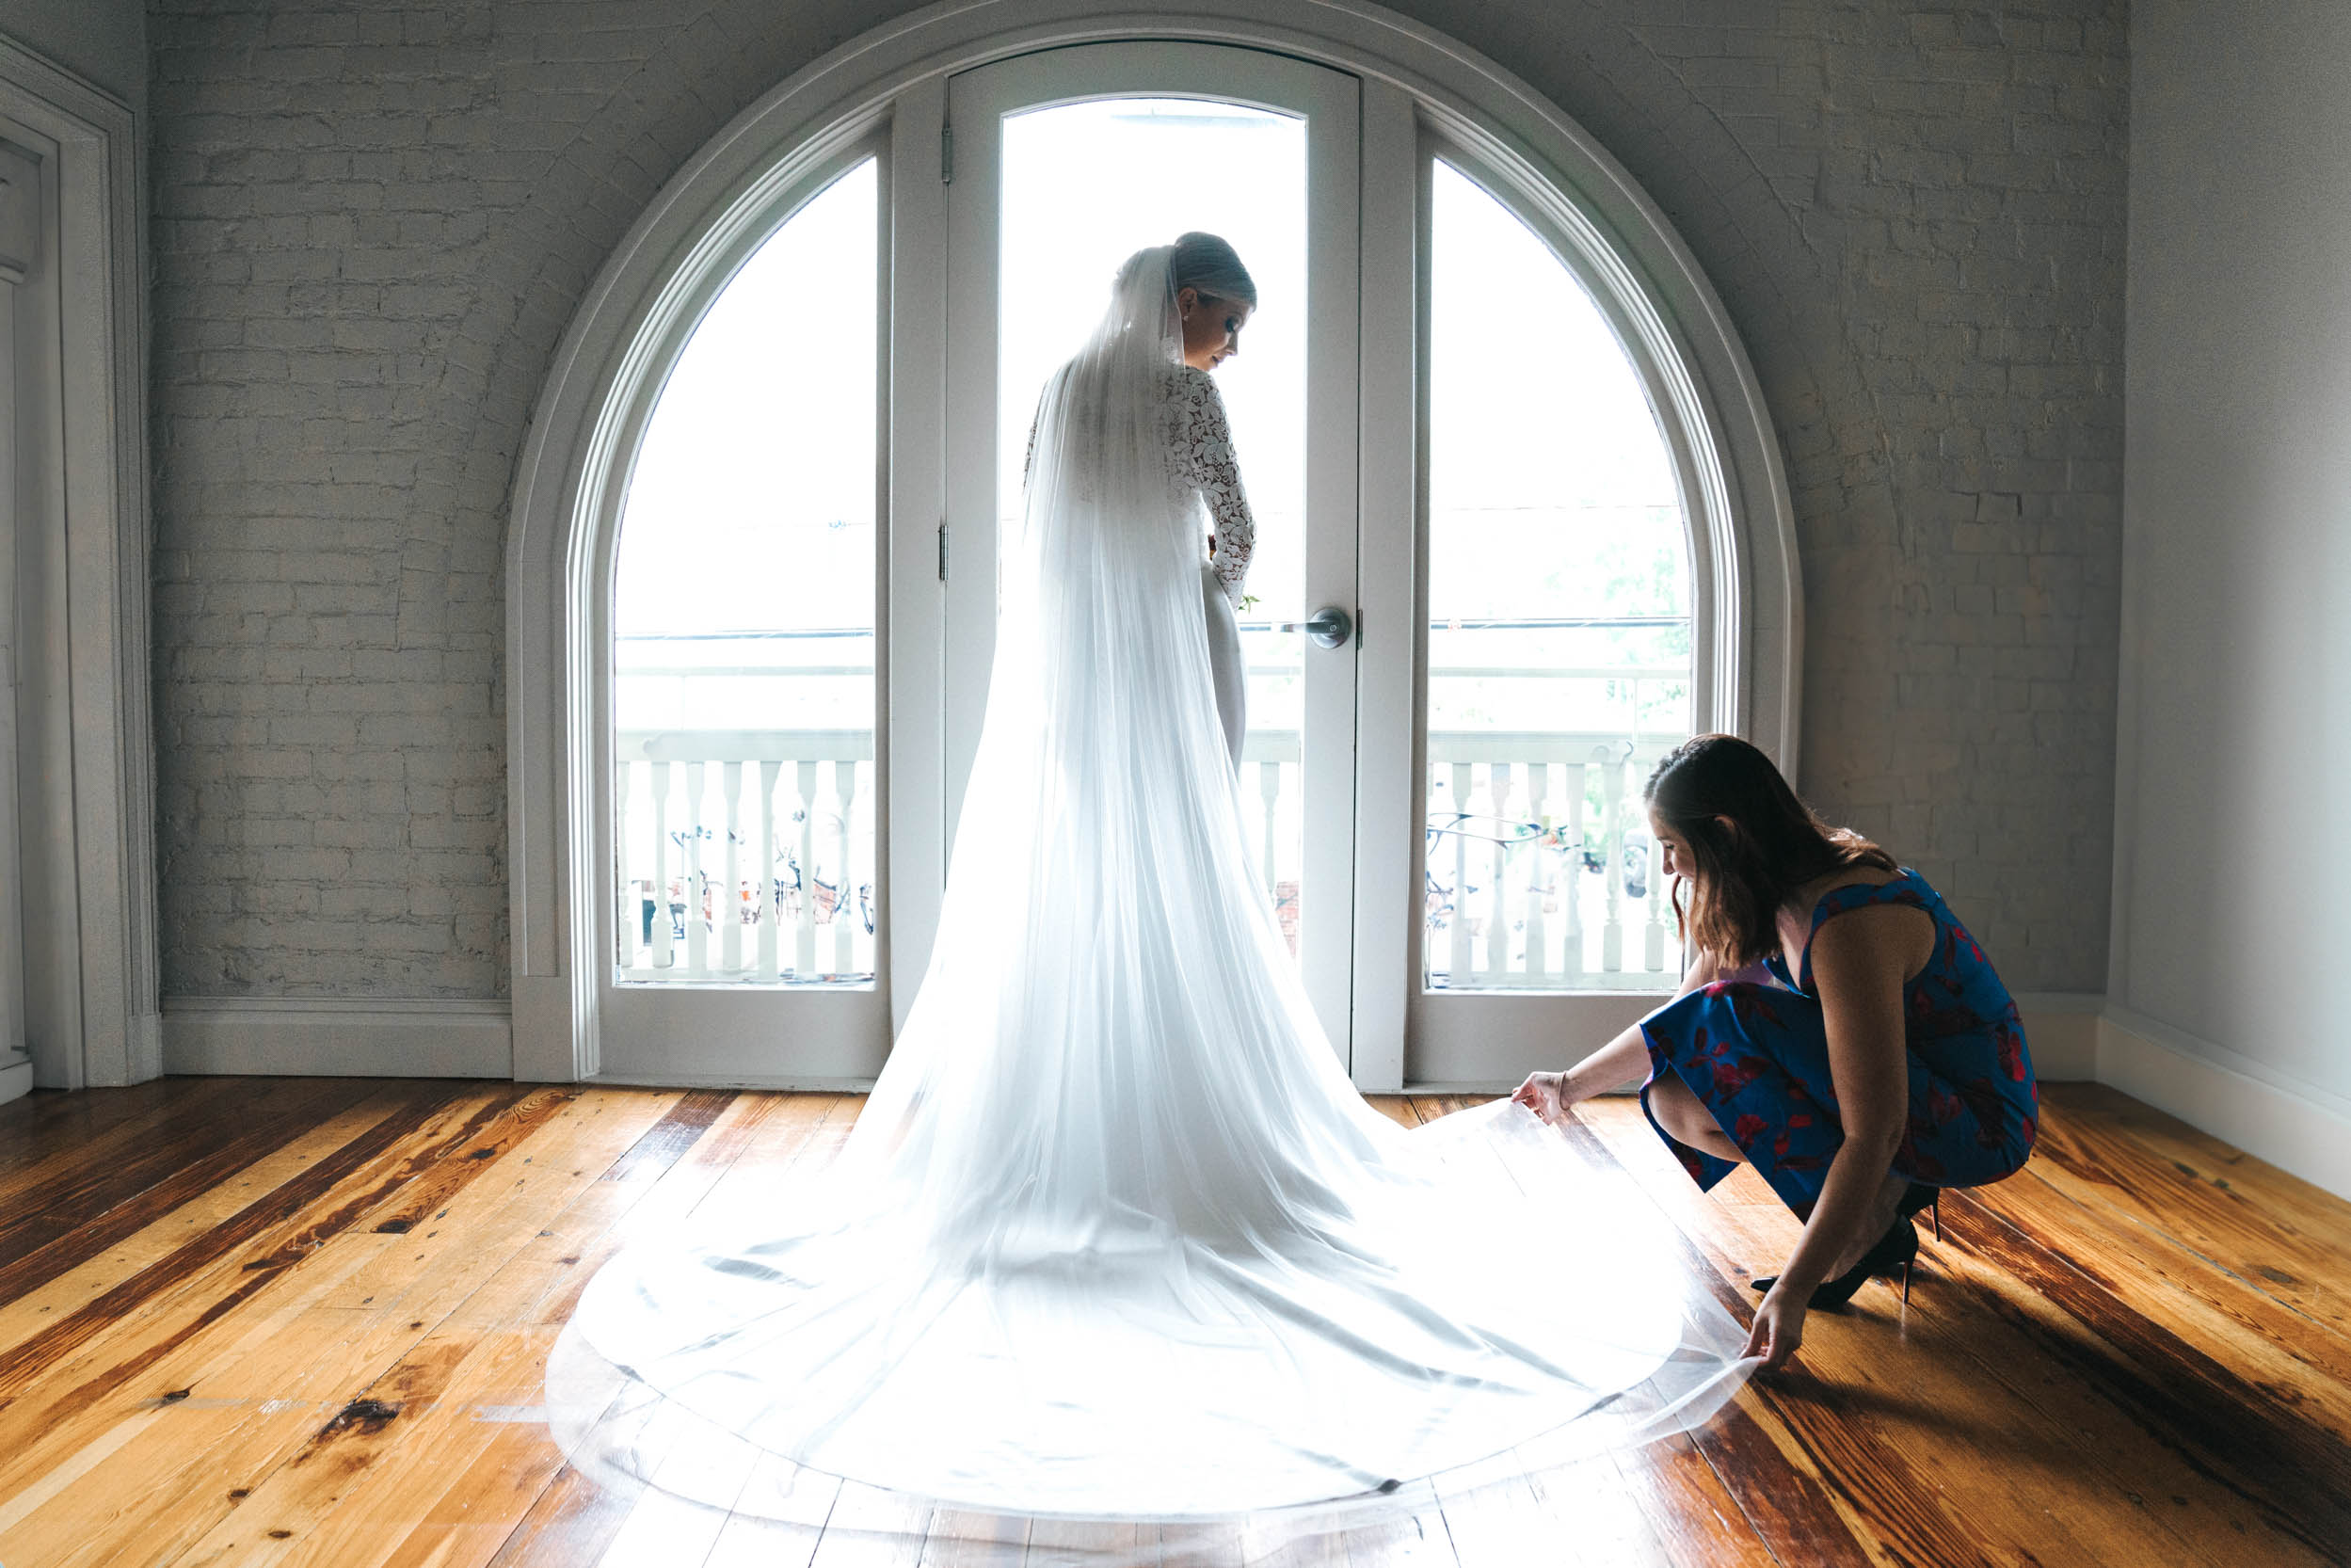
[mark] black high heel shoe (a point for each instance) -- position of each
(1899, 1248)
(1919, 1195)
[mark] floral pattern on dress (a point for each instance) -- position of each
(1200, 461)
(1757, 1057)
(1200, 450)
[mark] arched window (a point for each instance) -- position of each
(1489, 407)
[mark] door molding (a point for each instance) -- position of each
(892, 81)
(91, 1012)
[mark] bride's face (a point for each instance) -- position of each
(1211, 327)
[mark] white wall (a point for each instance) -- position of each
(2235, 724)
(104, 42)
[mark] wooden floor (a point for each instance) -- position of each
(257, 1320)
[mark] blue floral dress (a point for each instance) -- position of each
(1757, 1057)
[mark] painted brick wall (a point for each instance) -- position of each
(373, 223)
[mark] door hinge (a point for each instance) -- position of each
(946, 155)
(942, 551)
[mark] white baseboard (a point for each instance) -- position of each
(336, 1038)
(2061, 1034)
(2073, 1037)
(16, 1078)
(2297, 1128)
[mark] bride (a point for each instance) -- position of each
(1115, 1236)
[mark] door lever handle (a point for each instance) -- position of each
(1330, 627)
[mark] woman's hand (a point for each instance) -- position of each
(1548, 1095)
(1779, 1328)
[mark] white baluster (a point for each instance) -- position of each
(770, 908)
(1653, 946)
(1538, 930)
(1269, 838)
(698, 924)
(845, 921)
(804, 942)
(1460, 977)
(1572, 901)
(665, 956)
(1498, 967)
(726, 907)
(626, 917)
(1612, 934)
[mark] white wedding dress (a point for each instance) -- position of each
(1114, 1237)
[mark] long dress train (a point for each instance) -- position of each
(1115, 1236)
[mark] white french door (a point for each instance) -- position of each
(744, 839)
(1451, 431)
(1062, 164)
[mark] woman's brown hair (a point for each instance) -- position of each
(1752, 844)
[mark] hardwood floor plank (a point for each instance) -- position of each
(871, 1528)
(1419, 1541)
(28, 1313)
(959, 1540)
(2201, 1212)
(68, 1191)
(648, 1198)
(277, 1410)
(2245, 1327)
(49, 1132)
(778, 1520)
(1694, 1518)
(473, 1515)
(1796, 1451)
(569, 1524)
(474, 1310)
(1591, 1508)
(1942, 1358)
(2096, 1370)
(2125, 1478)
(2266, 1449)
(34, 1254)
(664, 1529)
(169, 1344)
(282, 1221)
(2276, 1198)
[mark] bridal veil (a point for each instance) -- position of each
(1114, 1237)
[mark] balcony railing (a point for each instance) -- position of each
(760, 845)
(1541, 873)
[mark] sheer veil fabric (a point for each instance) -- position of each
(1115, 1237)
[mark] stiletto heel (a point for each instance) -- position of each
(1919, 1195)
(1916, 1197)
(1897, 1248)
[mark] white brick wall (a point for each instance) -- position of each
(372, 223)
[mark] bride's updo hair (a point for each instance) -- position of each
(1204, 262)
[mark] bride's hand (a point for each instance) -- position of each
(1545, 1094)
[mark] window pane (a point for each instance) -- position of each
(1559, 662)
(1073, 209)
(743, 626)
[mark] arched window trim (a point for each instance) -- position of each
(888, 89)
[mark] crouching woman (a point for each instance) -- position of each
(1837, 1029)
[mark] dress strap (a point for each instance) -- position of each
(1906, 887)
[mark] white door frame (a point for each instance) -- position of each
(895, 76)
(86, 800)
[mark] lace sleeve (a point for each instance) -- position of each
(1203, 458)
